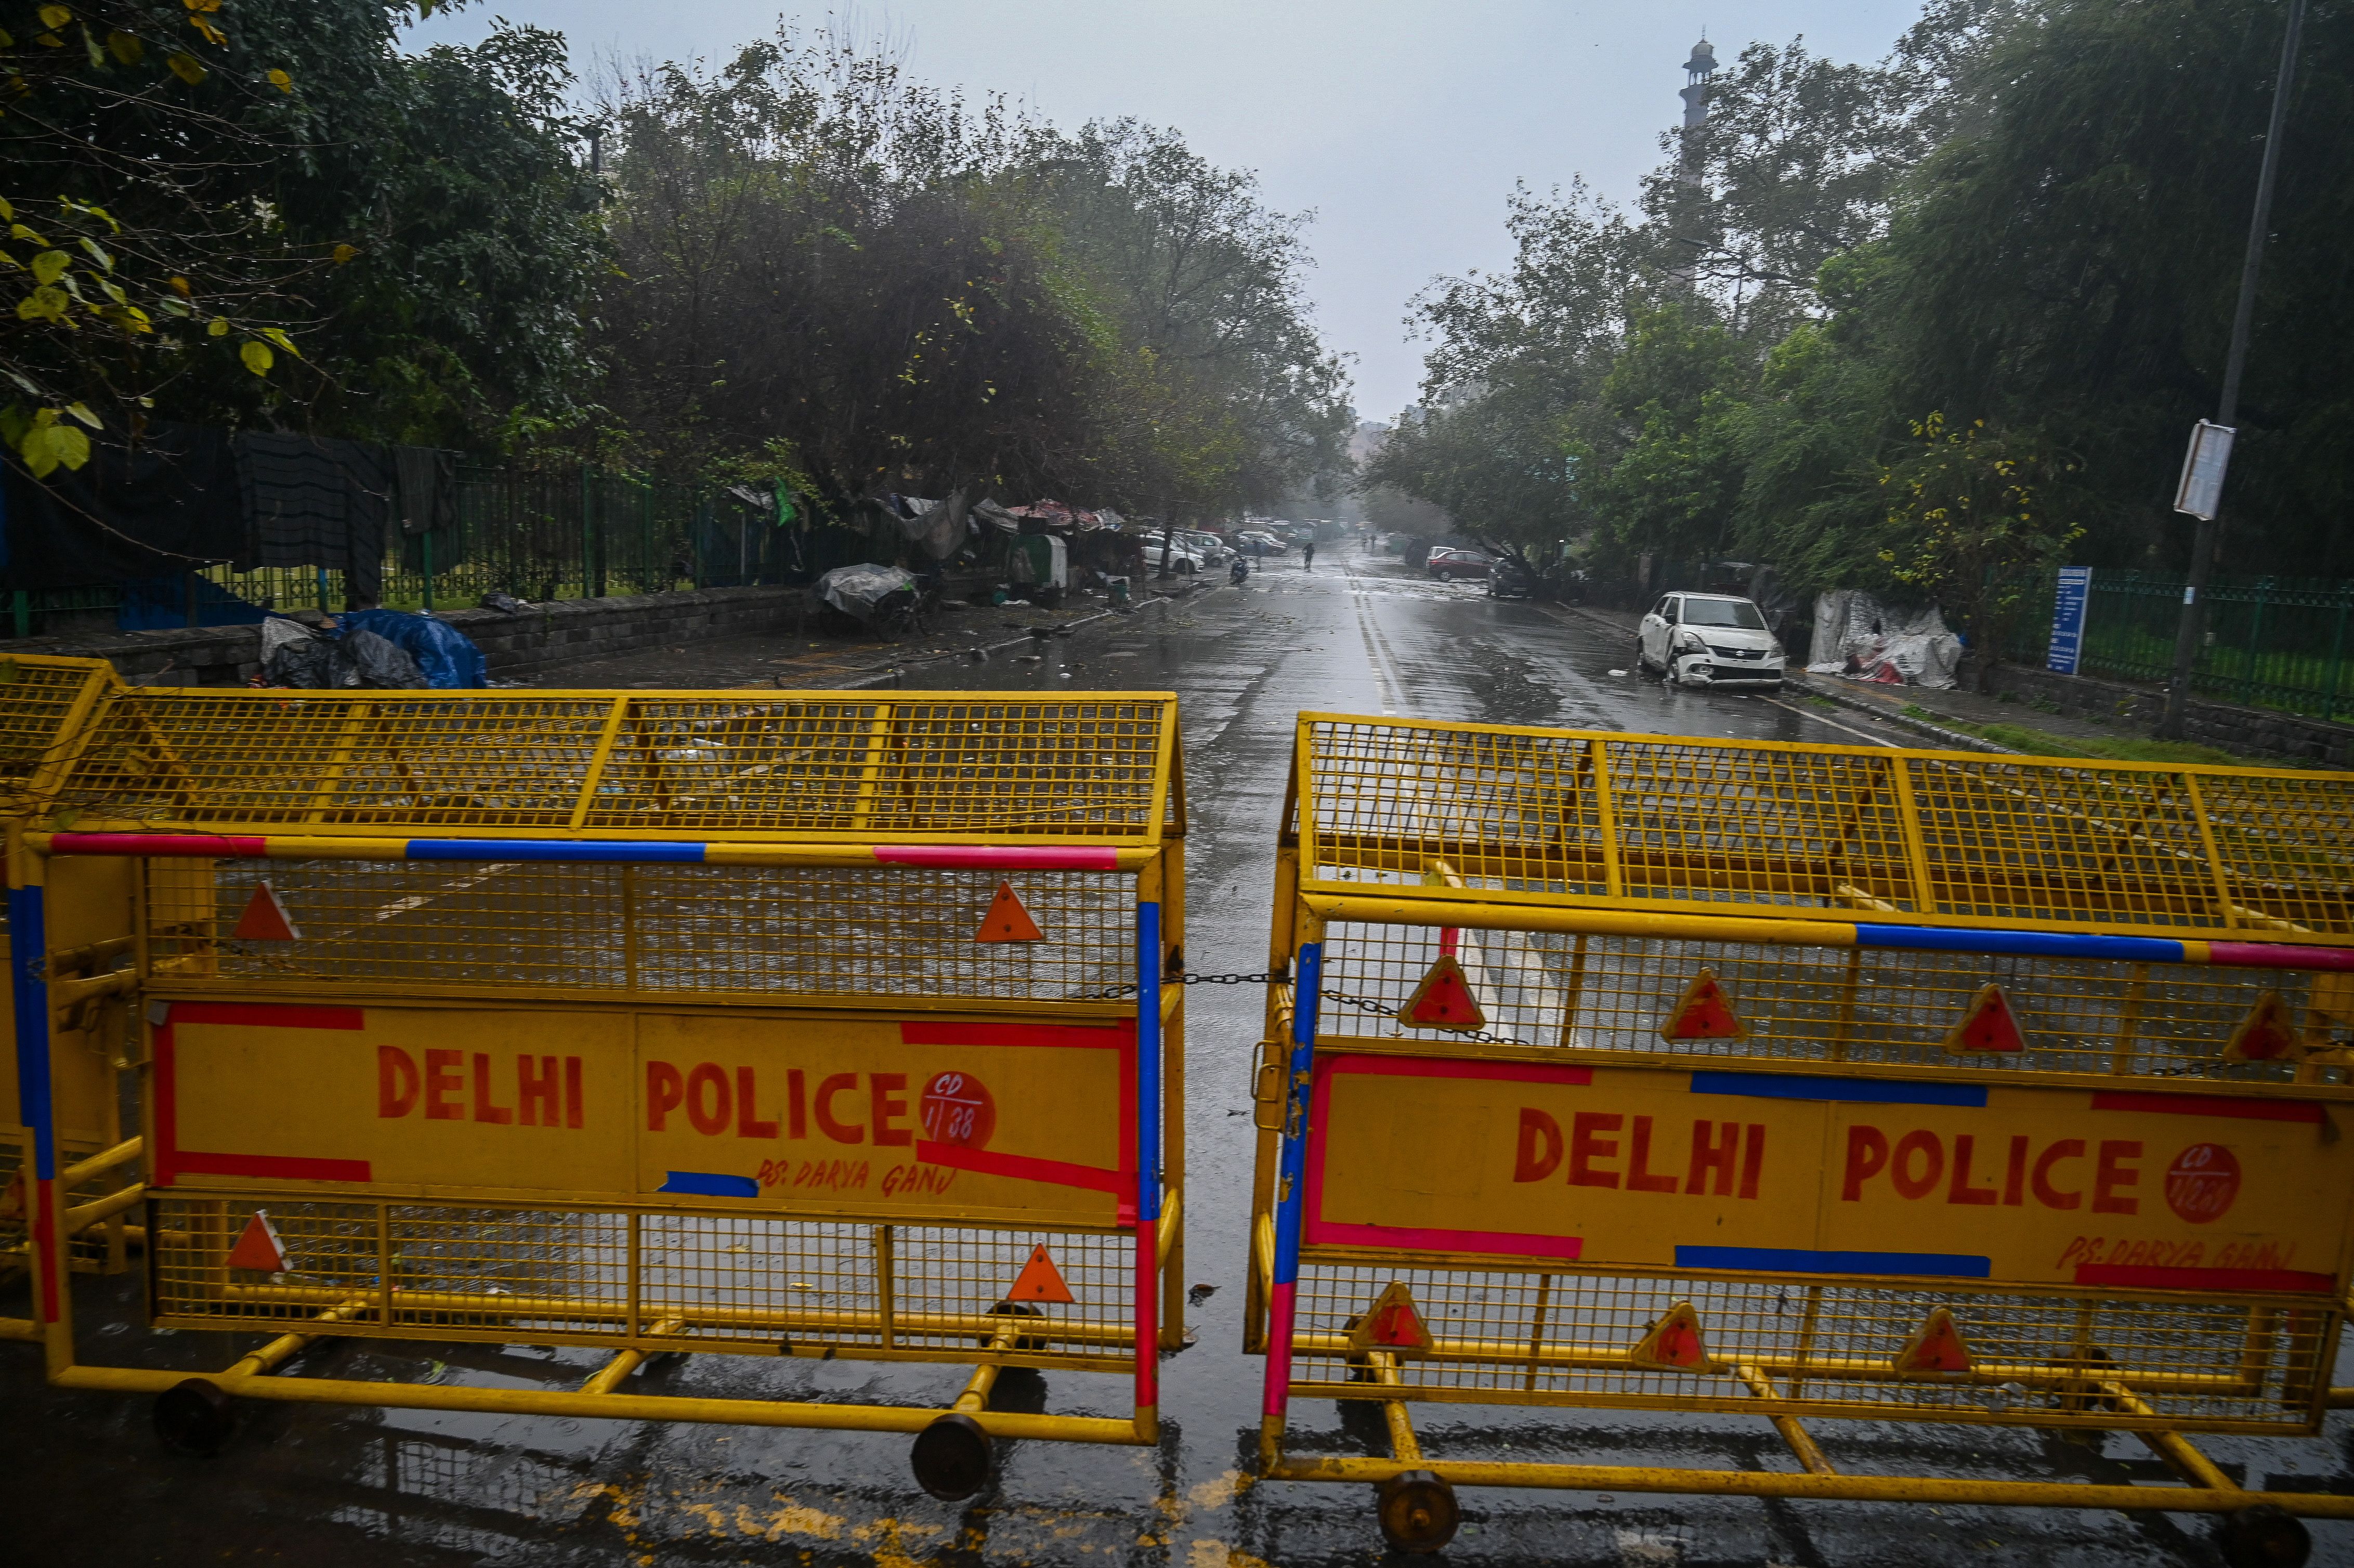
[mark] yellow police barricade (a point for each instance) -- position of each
(816, 1025)
(1803, 1081)
(47, 706)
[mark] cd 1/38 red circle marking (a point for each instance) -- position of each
(957, 1109)
(2202, 1183)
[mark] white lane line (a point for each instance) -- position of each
(1818, 718)
(1393, 688)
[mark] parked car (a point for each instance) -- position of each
(1214, 551)
(1709, 640)
(1255, 541)
(1510, 579)
(1451, 562)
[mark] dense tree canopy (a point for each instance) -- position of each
(264, 213)
(2026, 223)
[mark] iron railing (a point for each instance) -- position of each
(538, 535)
(2274, 642)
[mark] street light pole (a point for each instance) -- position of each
(2188, 633)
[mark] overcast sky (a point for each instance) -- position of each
(1401, 123)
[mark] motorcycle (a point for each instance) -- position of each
(1239, 573)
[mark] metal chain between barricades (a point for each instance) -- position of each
(1274, 976)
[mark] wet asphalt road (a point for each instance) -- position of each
(83, 1479)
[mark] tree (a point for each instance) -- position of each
(132, 279)
(1966, 524)
(268, 215)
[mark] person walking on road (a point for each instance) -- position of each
(1308, 554)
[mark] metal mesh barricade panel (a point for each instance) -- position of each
(1567, 1337)
(747, 765)
(1824, 832)
(755, 1284)
(1815, 1004)
(674, 930)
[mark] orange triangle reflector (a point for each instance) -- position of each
(1007, 921)
(264, 919)
(1040, 1280)
(1674, 1343)
(2265, 1034)
(1444, 999)
(259, 1247)
(1988, 1026)
(1395, 1325)
(1703, 1013)
(1936, 1346)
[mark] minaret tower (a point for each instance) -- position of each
(1697, 72)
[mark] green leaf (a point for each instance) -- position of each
(125, 47)
(50, 265)
(188, 67)
(217, 327)
(81, 411)
(257, 356)
(281, 340)
(97, 253)
(19, 231)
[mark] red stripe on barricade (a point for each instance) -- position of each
(269, 1167)
(45, 1244)
(2143, 1277)
(2278, 955)
(999, 857)
(1113, 1036)
(2209, 1105)
(208, 846)
(1417, 1238)
(1147, 1313)
(1121, 1185)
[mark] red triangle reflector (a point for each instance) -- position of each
(1395, 1325)
(264, 919)
(1444, 999)
(1703, 1013)
(259, 1247)
(1674, 1343)
(1040, 1280)
(1988, 1026)
(2265, 1034)
(1007, 920)
(1936, 1346)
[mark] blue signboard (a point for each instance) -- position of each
(2068, 618)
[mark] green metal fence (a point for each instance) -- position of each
(2276, 642)
(577, 533)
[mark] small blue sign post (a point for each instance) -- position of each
(2068, 618)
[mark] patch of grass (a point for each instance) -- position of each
(1821, 702)
(2120, 749)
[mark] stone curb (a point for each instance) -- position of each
(1954, 739)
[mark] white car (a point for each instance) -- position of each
(1709, 640)
(1214, 551)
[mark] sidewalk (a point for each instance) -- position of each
(1960, 720)
(962, 634)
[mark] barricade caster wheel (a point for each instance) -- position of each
(2264, 1536)
(951, 1457)
(1020, 1309)
(194, 1417)
(1418, 1511)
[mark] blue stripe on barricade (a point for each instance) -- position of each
(1802, 1260)
(1809, 1087)
(2043, 943)
(705, 1184)
(550, 849)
